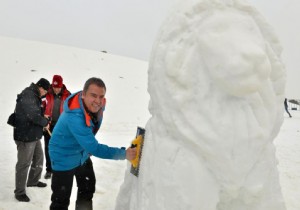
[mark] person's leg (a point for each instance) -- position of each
(86, 182)
(37, 164)
(289, 113)
(48, 161)
(25, 155)
(61, 185)
(286, 109)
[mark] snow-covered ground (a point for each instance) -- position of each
(288, 146)
(127, 107)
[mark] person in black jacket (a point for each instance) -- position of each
(28, 131)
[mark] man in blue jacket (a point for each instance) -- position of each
(73, 142)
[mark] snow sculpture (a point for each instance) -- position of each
(216, 84)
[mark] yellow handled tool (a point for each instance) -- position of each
(136, 143)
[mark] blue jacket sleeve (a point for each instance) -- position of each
(85, 137)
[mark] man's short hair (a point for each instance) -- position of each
(93, 80)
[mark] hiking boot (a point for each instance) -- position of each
(22, 198)
(48, 175)
(39, 184)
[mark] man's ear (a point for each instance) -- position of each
(83, 95)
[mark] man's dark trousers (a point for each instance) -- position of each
(62, 182)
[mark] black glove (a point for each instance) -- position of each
(49, 119)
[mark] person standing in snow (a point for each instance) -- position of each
(286, 107)
(28, 131)
(53, 105)
(73, 142)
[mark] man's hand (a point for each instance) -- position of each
(48, 118)
(131, 153)
(47, 127)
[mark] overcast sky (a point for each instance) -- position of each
(123, 27)
(129, 27)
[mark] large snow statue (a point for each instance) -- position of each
(216, 84)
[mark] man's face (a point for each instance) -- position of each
(43, 92)
(56, 90)
(93, 98)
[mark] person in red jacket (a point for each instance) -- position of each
(53, 105)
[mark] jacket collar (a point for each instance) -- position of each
(75, 102)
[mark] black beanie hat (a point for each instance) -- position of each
(45, 84)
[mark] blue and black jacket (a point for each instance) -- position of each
(73, 138)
